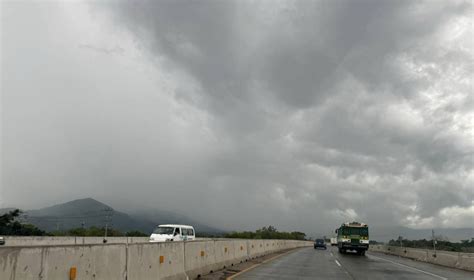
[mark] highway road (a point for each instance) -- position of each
(308, 263)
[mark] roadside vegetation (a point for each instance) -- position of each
(269, 232)
(10, 225)
(95, 231)
(210, 234)
(442, 245)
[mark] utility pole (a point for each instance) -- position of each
(400, 238)
(434, 242)
(105, 236)
(107, 216)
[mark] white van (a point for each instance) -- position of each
(165, 233)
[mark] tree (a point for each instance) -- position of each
(269, 232)
(136, 233)
(9, 225)
(463, 246)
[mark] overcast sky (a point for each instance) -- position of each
(298, 114)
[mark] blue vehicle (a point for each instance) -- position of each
(319, 243)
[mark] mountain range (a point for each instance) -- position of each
(89, 212)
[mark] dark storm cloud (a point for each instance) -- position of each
(262, 111)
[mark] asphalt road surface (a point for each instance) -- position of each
(308, 263)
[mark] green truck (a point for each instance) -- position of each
(353, 236)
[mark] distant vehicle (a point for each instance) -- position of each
(353, 236)
(2, 240)
(164, 233)
(319, 243)
(333, 241)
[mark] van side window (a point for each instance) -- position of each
(185, 231)
(176, 231)
(191, 231)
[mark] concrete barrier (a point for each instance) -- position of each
(141, 261)
(199, 258)
(466, 261)
(39, 240)
(417, 254)
(156, 261)
(67, 240)
(224, 252)
(268, 247)
(58, 262)
(241, 251)
(449, 259)
(255, 248)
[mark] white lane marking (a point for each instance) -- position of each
(337, 263)
(332, 255)
(410, 267)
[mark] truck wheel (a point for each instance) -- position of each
(362, 253)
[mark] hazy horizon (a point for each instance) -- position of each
(297, 114)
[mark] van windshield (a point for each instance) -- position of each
(164, 230)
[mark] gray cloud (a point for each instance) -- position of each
(113, 50)
(241, 113)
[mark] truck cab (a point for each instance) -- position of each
(353, 236)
